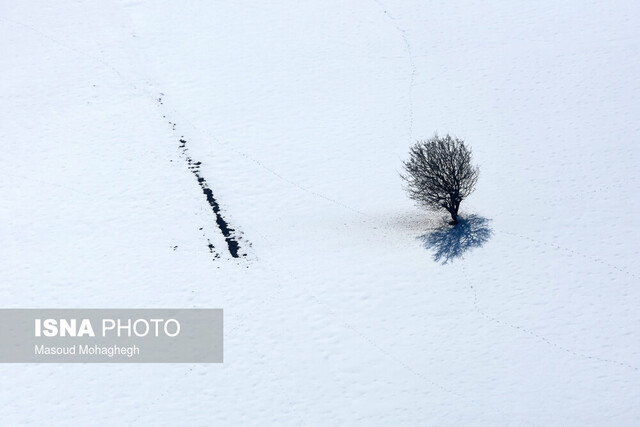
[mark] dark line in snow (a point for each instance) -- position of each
(228, 232)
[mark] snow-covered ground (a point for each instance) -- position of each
(300, 114)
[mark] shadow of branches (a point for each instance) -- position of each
(449, 242)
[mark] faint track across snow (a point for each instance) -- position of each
(405, 39)
(540, 337)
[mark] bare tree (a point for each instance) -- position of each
(439, 174)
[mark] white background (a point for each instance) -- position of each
(301, 113)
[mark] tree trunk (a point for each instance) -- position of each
(454, 217)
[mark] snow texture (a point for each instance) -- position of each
(351, 306)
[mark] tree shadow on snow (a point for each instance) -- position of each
(449, 242)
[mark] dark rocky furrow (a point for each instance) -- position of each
(229, 233)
